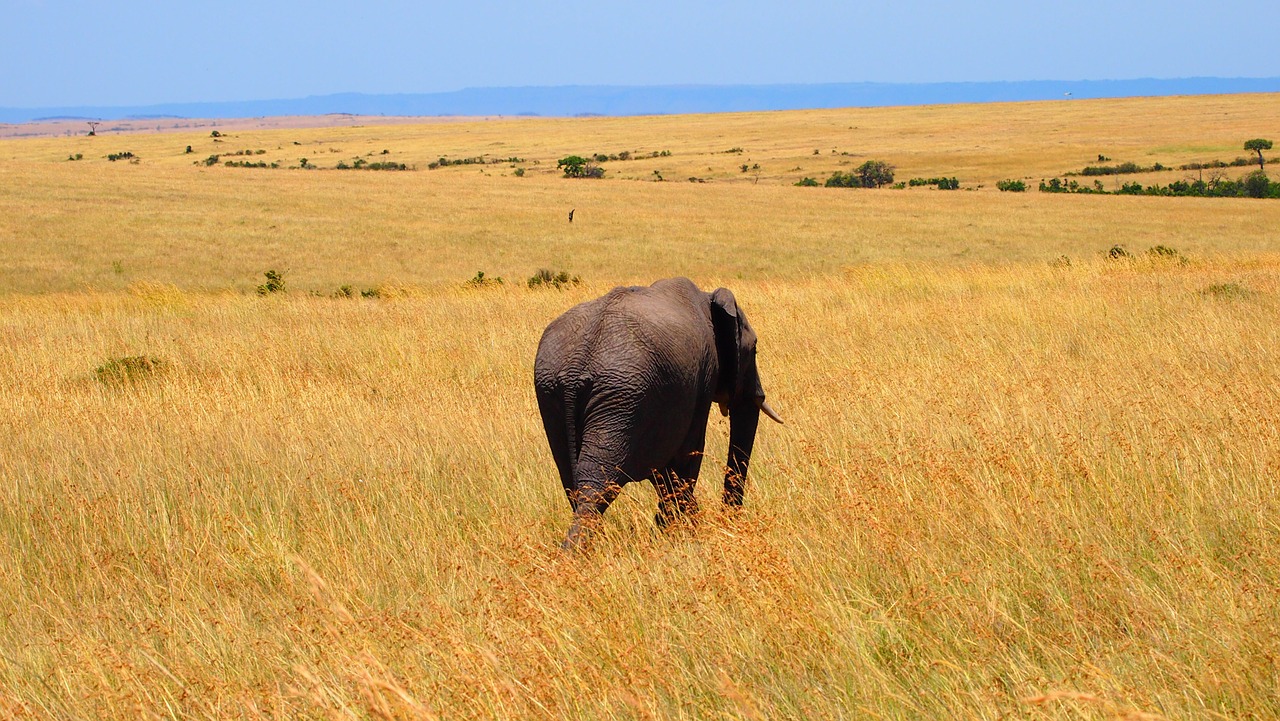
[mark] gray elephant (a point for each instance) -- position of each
(625, 383)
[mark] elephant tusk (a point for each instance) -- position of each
(768, 411)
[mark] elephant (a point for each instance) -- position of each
(625, 383)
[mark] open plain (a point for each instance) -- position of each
(1019, 478)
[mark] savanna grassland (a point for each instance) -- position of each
(1019, 478)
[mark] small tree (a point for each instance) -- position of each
(875, 173)
(576, 166)
(1256, 184)
(1258, 145)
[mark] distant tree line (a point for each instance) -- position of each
(1253, 185)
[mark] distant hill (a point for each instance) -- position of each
(584, 100)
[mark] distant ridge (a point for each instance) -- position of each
(587, 100)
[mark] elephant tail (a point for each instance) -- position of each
(577, 391)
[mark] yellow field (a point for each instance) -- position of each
(1010, 485)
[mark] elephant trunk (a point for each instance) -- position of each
(743, 420)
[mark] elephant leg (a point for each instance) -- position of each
(675, 483)
(590, 500)
(675, 497)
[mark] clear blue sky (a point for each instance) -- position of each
(138, 52)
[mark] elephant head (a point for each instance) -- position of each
(739, 392)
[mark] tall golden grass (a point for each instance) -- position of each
(1009, 485)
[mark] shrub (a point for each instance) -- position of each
(1118, 252)
(442, 161)
(843, 180)
(875, 173)
(1011, 186)
(129, 369)
(480, 281)
(942, 183)
(1121, 169)
(808, 183)
(1256, 185)
(126, 155)
(274, 284)
(1163, 252)
(576, 166)
(548, 279)
(344, 291)
(871, 174)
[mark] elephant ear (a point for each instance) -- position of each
(734, 342)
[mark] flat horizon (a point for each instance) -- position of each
(569, 100)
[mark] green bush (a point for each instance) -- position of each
(1121, 169)
(942, 183)
(808, 183)
(480, 281)
(576, 166)
(442, 161)
(549, 279)
(871, 174)
(1256, 185)
(274, 284)
(1011, 186)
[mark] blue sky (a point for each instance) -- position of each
(138, 52)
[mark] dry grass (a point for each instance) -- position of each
(1006, 488)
